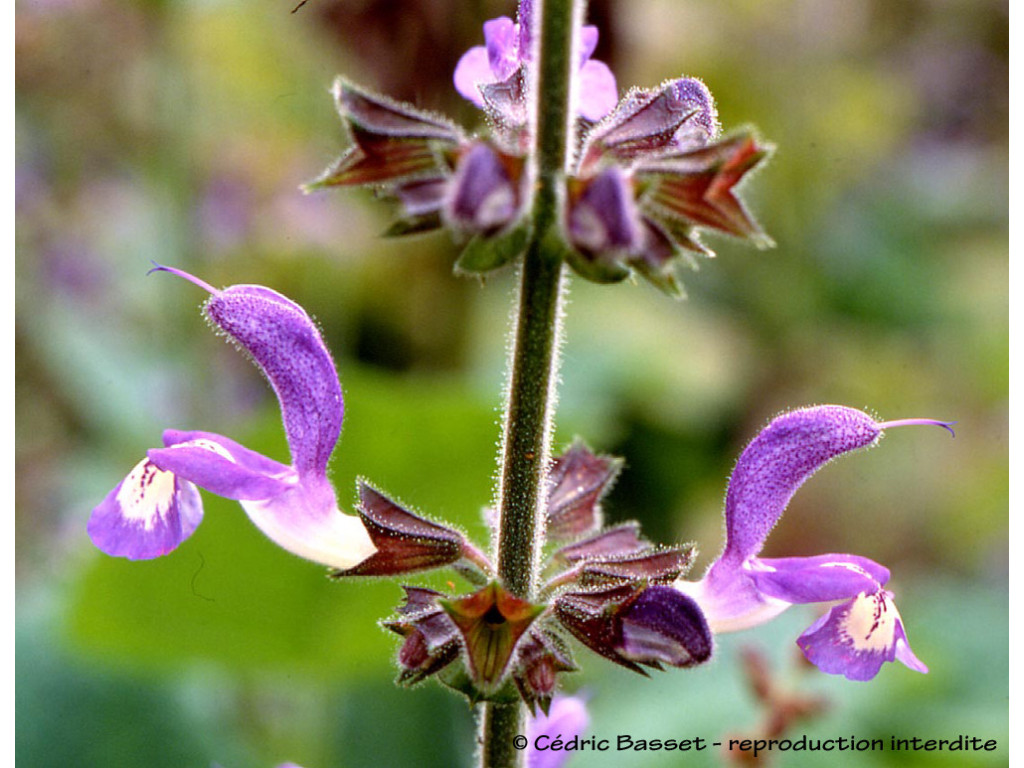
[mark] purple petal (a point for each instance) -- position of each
(422, 197)
(306, 521)
(816, 579)
(664, 626)
(524, 20)
(483, 196)
(730, 600)
(286, 345)
(587, 44)
(604, 218)
(147, 515)
(777, 462)
(693, 97)
(502, 40)
(597, 91)
(567, 718)
(472, 71)
(854, 639)
(222, 466)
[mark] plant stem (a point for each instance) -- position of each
(528, 421)
(534, 359)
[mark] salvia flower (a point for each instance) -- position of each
(742, 590)
(508, 53)
(156, 507)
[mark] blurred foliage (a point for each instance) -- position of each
(178, 131)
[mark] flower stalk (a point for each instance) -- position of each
(534, 360)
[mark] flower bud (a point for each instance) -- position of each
(602, 216)
(542, 655)
(431, 639)
(638, 625)
(578, 480)
(484, 192)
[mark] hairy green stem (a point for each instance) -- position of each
(534, 361)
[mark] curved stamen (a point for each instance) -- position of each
(946, 425)
(180, 273)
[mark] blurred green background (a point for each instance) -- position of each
(179, 130)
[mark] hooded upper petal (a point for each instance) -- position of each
(287, 347)
(777, 462)
(501, 39)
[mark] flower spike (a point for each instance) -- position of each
(157, 506)
(742, 590)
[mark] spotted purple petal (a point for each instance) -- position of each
(854, 639)
(147, 515)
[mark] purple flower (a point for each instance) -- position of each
(742, 590)
(508, 47)
(566, 719)
(157, 506)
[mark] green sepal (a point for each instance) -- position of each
(483, 254)
(598, 269)
(664, 278)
